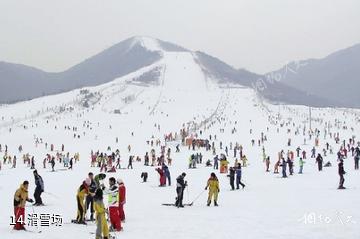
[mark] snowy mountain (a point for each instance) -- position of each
(335, 77)
(22, 83)
(181, 90)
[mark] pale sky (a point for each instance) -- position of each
(259, 35)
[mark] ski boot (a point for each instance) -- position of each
(215, 204)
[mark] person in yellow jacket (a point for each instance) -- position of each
(102, 229)
(214, 189)
(20, 199)
(82, 192)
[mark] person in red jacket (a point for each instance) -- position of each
(162, 177)
(122, 199)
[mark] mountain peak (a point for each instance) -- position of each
(155, 45)
(149, 43)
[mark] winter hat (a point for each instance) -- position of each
(183, 174)
(88, 181)
(120, 181)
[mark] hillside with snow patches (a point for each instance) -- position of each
(169, 94)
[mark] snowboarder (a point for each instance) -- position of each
(20, 199)
(214, 189)
(39, 189)
(180, 187)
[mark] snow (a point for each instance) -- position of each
(268, 207)
(149, 43)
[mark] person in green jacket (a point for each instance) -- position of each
(301, 165)
(99, 178)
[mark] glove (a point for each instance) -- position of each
(31, 201)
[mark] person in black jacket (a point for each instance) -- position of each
(180, 186)
(39, 189)
(89, 197)
(341, 174)
(319, 161)
(232, 177)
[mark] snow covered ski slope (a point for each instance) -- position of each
(160, 100)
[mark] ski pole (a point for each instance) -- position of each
(197, 197)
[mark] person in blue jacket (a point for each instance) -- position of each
(238, 176)
(167, 173)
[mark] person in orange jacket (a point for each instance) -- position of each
(122, 198)
(20, 199)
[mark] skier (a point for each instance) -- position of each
(113, 203)
(216, 162)
(267, 163)
(290, 164)
(180, 187)
(52, 164)
(301, 165)
(89, 197)
(283, 165)
(101, 223)
(341, 172)
(39, 182)
(122, 199)
(319, 161)
(214, 189)
(167, 173)
(356, 159)
(80, 198)
(232, 177)
(238, 177)
(20, 199)
(130, 162)
(162, 177)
